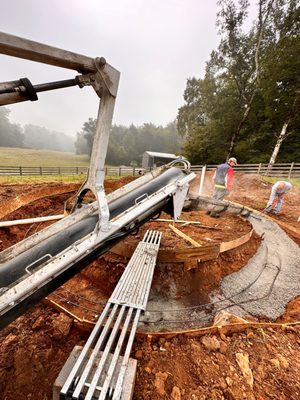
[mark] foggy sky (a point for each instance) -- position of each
(155, 44)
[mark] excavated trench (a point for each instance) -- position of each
(182, 291)
(50, 332)
(184, 295)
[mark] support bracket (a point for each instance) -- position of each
(95, 72)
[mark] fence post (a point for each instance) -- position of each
(202, 180)
(259, 168)
(59, 171)
(133, 171)
(119, 171)
(41, 170)
(21, 173)
(77, 171)
(291, 169)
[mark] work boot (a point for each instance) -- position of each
(214, 214)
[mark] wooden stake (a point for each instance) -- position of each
(62, 309)
(181, 221)
(184, 236)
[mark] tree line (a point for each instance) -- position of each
(127, 144)
(31, 136)
(247, 104)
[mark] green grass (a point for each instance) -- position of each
(294, 181)
(11, 156)
(27, 180)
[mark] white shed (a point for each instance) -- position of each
(154, 159)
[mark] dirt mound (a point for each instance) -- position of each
(252, 191)
(12, 197)
(241, 183)
(113, 184)
(32, 351)
(256, 364)
(49, 205)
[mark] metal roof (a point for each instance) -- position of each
(156, 154)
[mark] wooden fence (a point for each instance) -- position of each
(284, 170)
(26, 171)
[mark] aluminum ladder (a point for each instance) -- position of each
(98, 372)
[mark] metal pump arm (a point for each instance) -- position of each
(39, 264)
(96, 73)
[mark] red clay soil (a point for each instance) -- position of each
(252, 191)
(254, 363)
(13, 197)
(50, 205)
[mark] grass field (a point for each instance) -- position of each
(11, 156)
(28, 180)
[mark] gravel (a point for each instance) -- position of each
(271, 278)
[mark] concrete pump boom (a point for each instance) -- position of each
(36, 266)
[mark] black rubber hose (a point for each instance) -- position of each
(19, 308)
(14, 269)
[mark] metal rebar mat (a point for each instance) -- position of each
(100, 368)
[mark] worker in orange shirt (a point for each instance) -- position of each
(223, 179)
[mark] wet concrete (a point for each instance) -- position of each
(270, 279)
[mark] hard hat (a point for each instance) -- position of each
(233, 159)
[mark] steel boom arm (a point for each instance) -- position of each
(96, 73)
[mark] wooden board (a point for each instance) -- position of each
(202, 253)
(225, 246)
(189, 256)
(184, 236)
